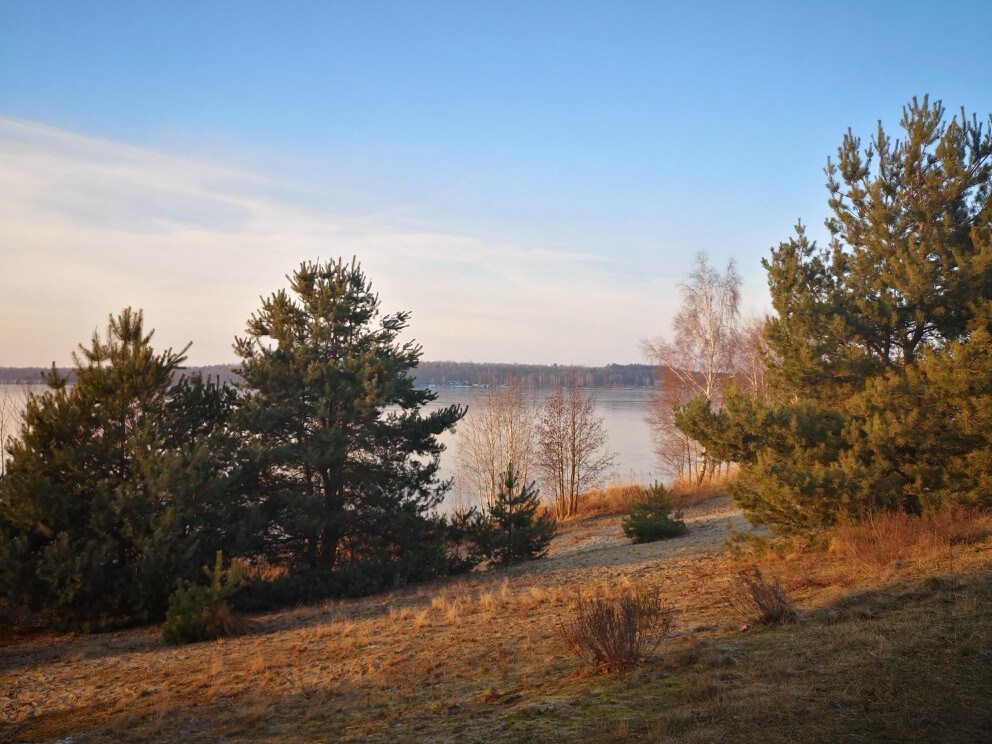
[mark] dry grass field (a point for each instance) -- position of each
(893, 642)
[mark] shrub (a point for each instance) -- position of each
(200, 612)
(759, 600)
(651, 517)
(614, 633)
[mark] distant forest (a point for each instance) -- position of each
(441, 373)
(534, 375)
(29, 375)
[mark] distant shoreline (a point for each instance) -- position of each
(432, 374)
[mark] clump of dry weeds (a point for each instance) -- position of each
(613, 633)
(759, 600)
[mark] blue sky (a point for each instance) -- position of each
(530, 179)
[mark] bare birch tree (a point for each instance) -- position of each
(13, 399)
(571, 453)
(678, 454)
(497, 431)
(752, 350)
(701, 356)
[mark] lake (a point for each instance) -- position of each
(623, 411)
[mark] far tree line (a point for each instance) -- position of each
(433, 374)
(534, 375)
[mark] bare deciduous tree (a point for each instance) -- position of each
(13, 399)
(571, 454)
(678, 454)
(496, 432)
(701, 356)
(752, 350)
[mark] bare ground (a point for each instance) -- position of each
(590, 544)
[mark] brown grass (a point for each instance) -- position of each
(614, 498)
(618, 497)
(894, 651)
(686, 493)
(884, 538)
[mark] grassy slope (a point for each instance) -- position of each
(900, 651)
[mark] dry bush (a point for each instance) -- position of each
(230, 623)
(882, 538)
(613, 633)
(759, 600)
(959, 524)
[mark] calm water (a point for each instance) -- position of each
(623, 412)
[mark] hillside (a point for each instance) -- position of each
(893, 643)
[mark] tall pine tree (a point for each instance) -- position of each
(118, 485)
(347, 457)
(878, 370)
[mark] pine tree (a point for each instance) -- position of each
(877, 368)
(652, 517)
(117, 486)
(347, 461)
(514, 531)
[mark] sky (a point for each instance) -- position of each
(531, 180)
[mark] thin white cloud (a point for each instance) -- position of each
(88, 226)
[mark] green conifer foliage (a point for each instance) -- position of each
(199, 612)
(117, 486)
(347, 460)
(514, 531)
(652, 517)
(878, 370)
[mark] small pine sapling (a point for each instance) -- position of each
(514, 531)
(200, 612)
(651, 517)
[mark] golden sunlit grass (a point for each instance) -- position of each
(618, 497)
(893, 650)
(886, 537)
(686, 493)
(613, 498)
